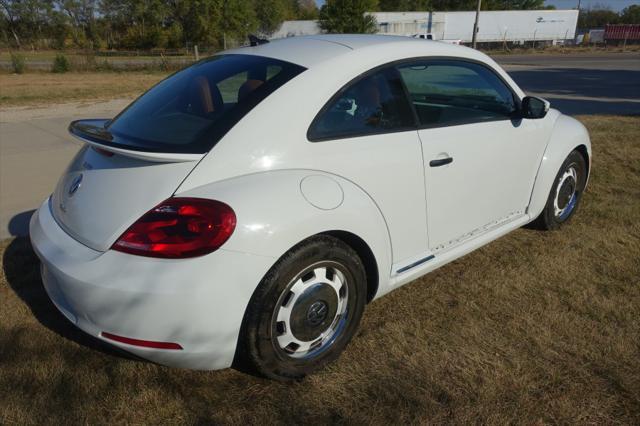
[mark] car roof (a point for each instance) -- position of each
(310, 51)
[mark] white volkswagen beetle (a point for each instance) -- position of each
(244, 210)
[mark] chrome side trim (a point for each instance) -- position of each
(414, 264)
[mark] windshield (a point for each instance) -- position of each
(194, 108)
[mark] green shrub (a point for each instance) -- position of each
(17, 63)
(105, 66)
(60, 64)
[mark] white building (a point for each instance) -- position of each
(493, 26)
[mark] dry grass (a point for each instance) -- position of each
(37, 89)
(49, 55)
(534, 328)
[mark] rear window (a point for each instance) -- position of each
(194, 108)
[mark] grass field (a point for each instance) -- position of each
(39, 89)
(533, 328)
(49, 55)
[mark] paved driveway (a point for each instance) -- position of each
(35, 151)
(33, 154)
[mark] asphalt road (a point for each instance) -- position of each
(604, 83)
(35, 151)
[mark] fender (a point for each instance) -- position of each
(273, 214)
(567, 135)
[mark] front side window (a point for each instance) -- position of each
(373, 104)
(194, 108)
(449, 92)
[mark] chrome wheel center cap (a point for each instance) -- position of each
(317, 312)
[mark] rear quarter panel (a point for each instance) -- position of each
(273, 215)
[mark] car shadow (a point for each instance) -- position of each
(22, 271)
(19, 224)
(584, 91)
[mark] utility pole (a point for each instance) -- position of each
(475, 25)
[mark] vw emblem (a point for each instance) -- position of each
(317, 313)
(75, 185)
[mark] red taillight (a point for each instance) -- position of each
(179, 228)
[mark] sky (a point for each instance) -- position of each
(615, 5)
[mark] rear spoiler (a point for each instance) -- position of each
(94, 132)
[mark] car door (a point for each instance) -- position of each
(480, 159)
(367, 134)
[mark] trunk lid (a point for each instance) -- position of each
(105, 189)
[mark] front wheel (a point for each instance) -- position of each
(565, 194)
(305, 311)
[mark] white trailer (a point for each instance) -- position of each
(493, 26)
(401, 23)
(511, 25)
(455, 27)
(296, 29)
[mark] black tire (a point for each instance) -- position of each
(550, 218)
(260, 348)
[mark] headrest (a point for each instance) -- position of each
(204, 98)
(248, 87)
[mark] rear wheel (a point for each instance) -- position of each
(305, 311)
(565, 194)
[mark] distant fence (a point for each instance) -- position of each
(155, 52)
(105, 60)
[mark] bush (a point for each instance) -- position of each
(105, 66)
(17, 63)
(60, 64)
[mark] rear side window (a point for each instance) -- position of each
(375, 103)
(450, 92)
(191, 110)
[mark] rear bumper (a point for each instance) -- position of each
(198, 303)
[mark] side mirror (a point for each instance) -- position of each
(533, 107)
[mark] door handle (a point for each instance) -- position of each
(440, 162)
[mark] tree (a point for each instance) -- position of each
(348, 16)
(116, 19)
(81, 14)
(526, 4)
(444, 5)
(304, 9)
(26, 20)
(631, 14)
(404, 5)
(194, 21)
(10, 13)
(271, 13)
(301, 10)
(596, 18)
(238, 19)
